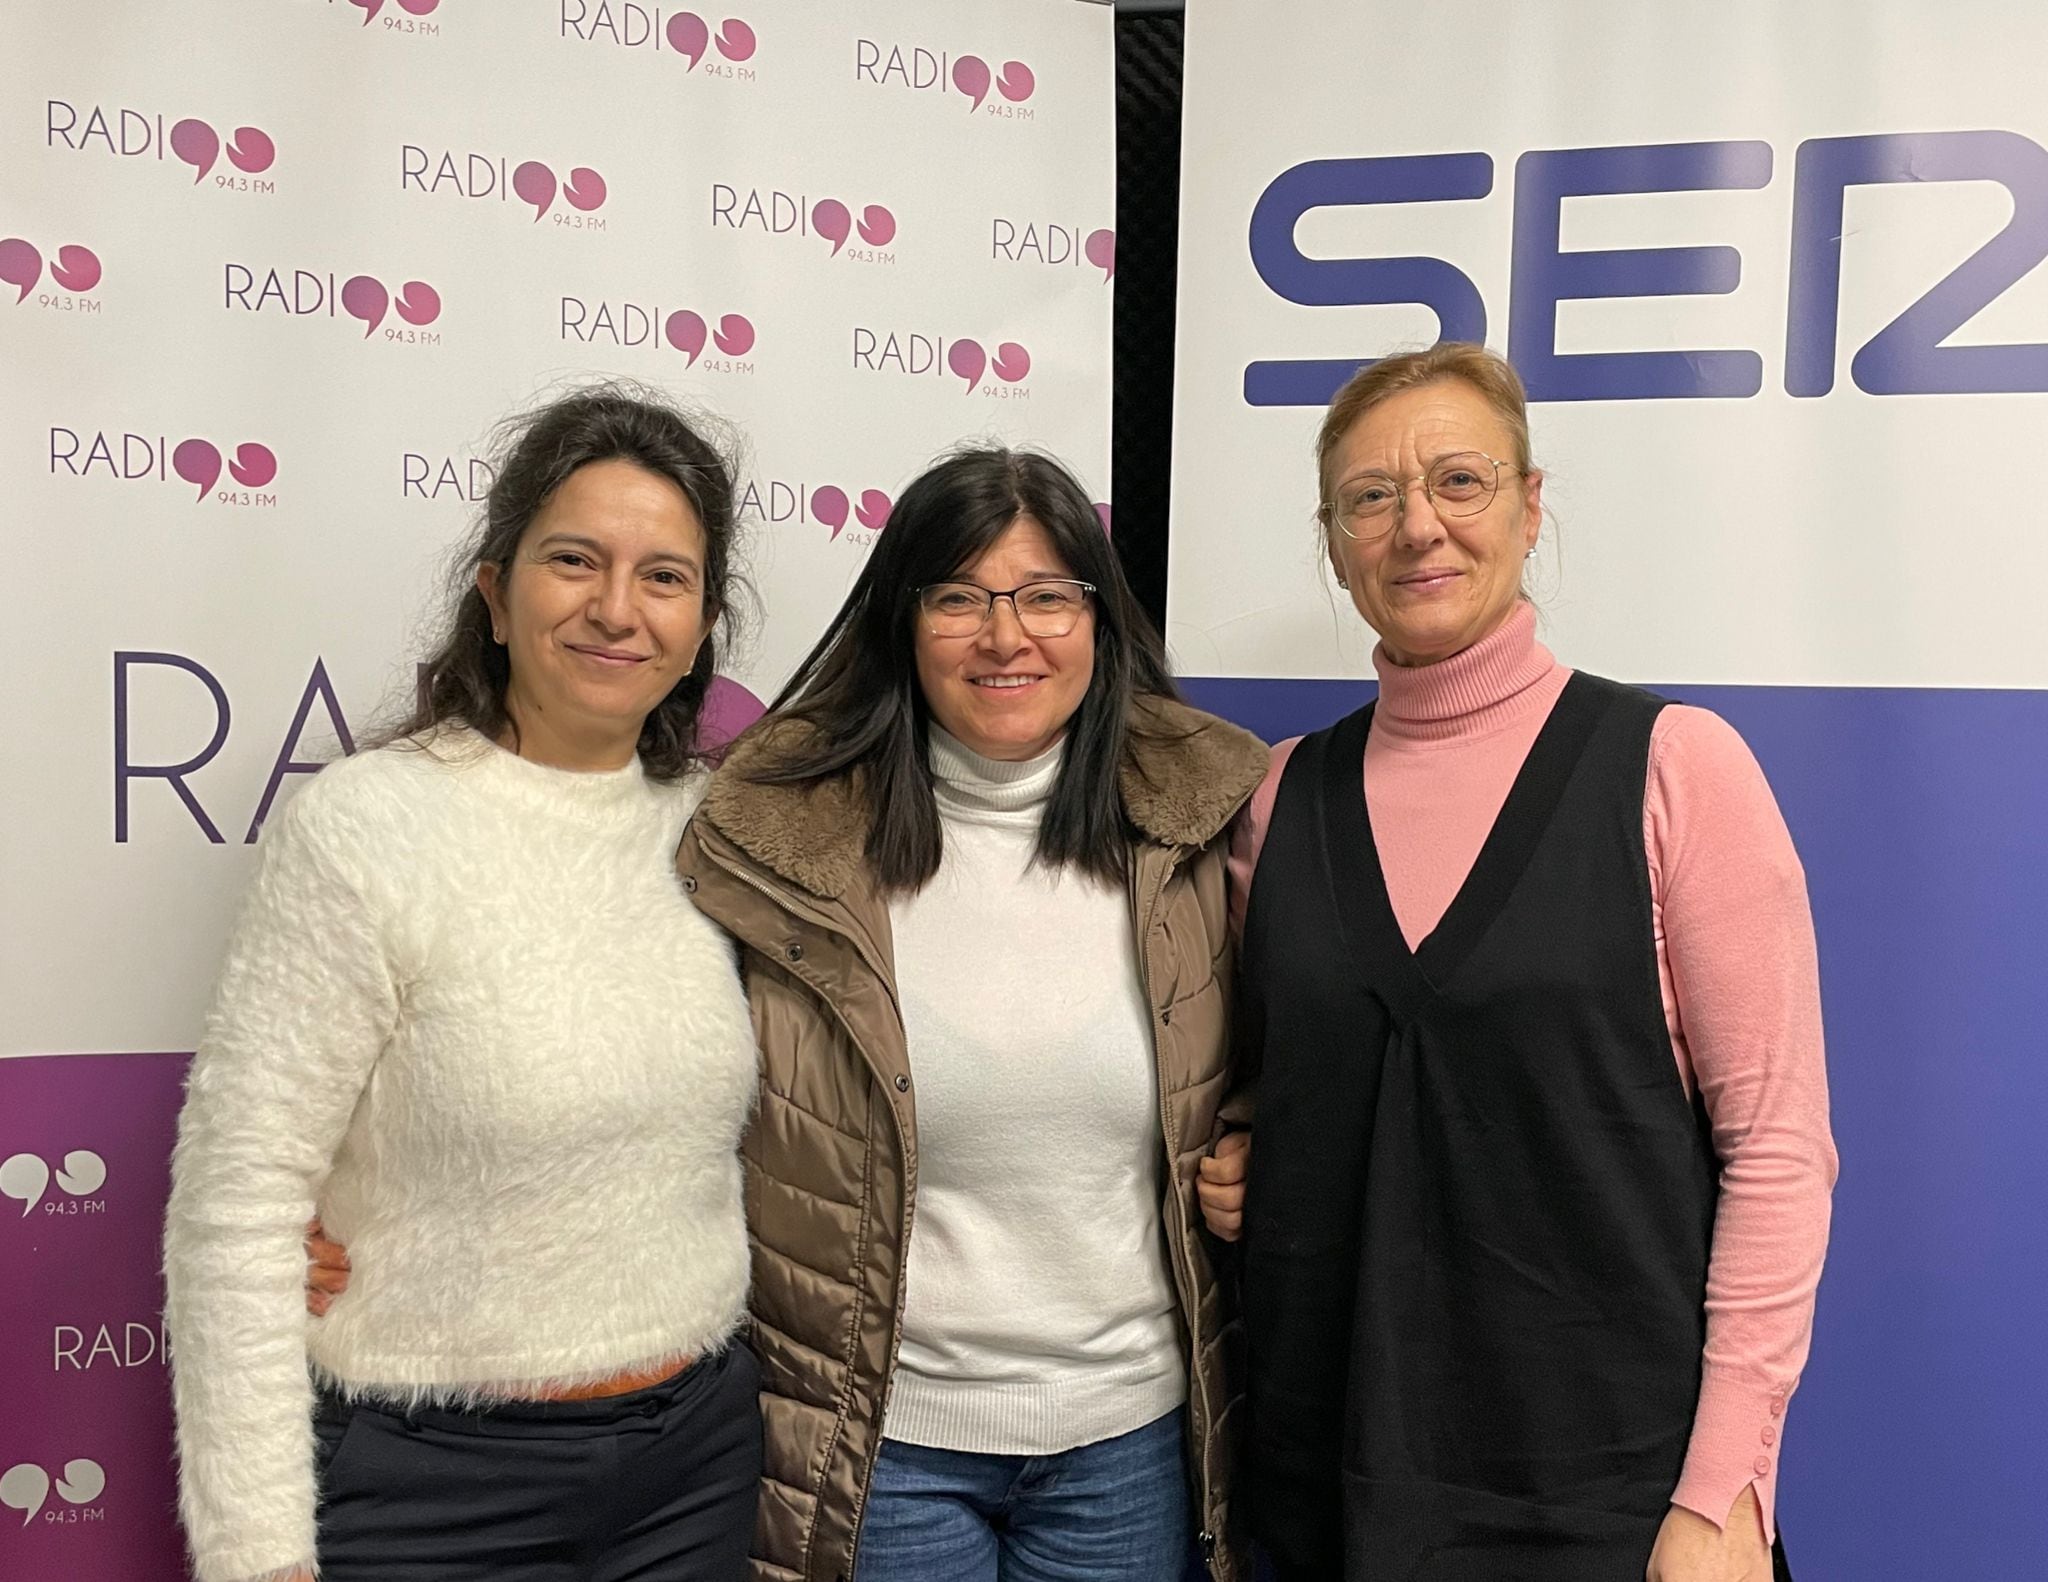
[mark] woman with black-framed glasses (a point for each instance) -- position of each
(974, 860)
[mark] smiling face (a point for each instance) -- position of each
(1004, 693)
(1435, 584)
(601, 611)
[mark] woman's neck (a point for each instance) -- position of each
(586, 746)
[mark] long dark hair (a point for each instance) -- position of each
(536, 452)
(858, 688)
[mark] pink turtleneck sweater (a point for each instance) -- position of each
(1735, 953)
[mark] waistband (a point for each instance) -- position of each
(595, 1411)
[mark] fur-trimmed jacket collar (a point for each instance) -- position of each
(1184, 776)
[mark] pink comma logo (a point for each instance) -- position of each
(832, 220)
(687, 332)
(535, 184)
(968, 361)
(250, 150)
(75, 269)
(199, 464)
(873, 511)
(972, 77)
(690, 36)
(370, 8)
(1100, 249)
(364, 299)
(729, 708)
(830, 505)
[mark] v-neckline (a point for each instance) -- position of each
(1517, 830)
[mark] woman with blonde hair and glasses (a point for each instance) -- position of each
(1540, 1188)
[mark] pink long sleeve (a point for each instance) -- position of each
(1735, 955)
(1735, 940)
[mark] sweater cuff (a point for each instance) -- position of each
(1738, 1434)
(249, 1562)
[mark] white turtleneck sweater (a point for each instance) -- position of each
(469, 1015)
(1038, 1313)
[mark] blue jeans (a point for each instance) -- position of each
(1114, 1511)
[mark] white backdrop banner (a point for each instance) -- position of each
(268, 276)
(1771, 274)
(1768, 271)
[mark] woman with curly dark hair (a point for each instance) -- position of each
(470, 1017)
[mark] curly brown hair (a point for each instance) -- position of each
(464, 680)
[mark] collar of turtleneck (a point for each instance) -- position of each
(989, 790)
(1474, 692)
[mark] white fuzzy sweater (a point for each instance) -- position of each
(1038, 1313)
(469, 1015)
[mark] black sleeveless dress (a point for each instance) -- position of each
(1481, 1204)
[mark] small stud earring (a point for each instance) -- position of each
(1346, 586)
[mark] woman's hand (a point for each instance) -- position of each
(326, 1270)
(1692, 1549)
(1220, 1185)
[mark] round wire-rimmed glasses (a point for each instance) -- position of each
(1369, 506)
(1048, 608)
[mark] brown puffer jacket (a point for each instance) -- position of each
(831, 1158)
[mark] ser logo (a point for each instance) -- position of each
(26, 1178)
(26, 1487)
(1912, 355)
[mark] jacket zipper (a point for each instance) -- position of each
(1184, 1276)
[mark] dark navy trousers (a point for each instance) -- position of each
(658, 1485)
